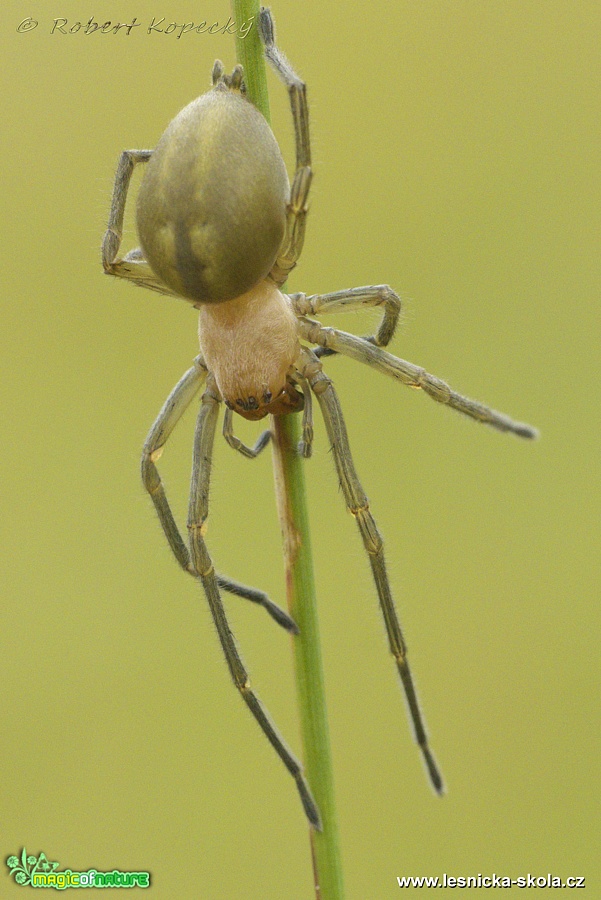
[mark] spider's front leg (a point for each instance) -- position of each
(358, 505)
(203, 567)
(175, 406)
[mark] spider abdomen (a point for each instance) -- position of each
(211, 208)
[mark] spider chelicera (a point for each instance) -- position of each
(220, 226)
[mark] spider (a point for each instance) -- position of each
(221, 227)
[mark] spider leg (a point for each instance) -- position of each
(355, 298)
(202, 565)
(133, 266)
(175, 406)
(261, 598)
(358, 505)
(292, 244)
(236, 443)
(411, 375)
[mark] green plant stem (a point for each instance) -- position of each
(249, 53)
(300, 582)
(300, 588)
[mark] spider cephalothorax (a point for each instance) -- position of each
(221, 227)
(250, 345)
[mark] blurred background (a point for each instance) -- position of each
(455, 148)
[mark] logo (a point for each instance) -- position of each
(38, 871)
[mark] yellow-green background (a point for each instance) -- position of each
(456, 157)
